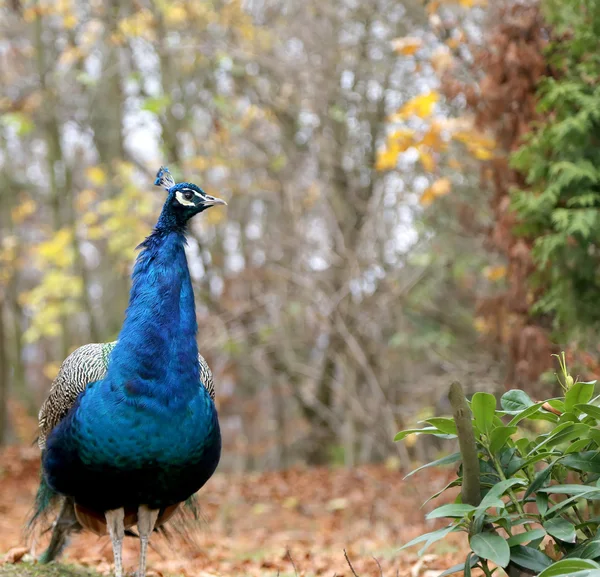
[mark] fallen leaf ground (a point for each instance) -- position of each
(286, 523)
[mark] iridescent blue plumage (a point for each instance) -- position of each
(147, 434)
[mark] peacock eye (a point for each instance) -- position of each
(188, 194)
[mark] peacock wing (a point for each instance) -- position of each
(84, 365)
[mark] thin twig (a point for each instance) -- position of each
(293, 564)
(350, 564)
(378, 565)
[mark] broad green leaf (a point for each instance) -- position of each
(568, 502)
(569, 489)
(524, 414)
(578, 394)
(451, 510)
(569, 417)
(543, 415)
(557, 404)
(594, 435)
(588, 461)
(491, 546)
(515, 401)
(568, 434)
(529, 558)
(447, 426)
(493, 495)
(448, 460)
(526, 537)
(541, 500)
(591, 410)
(577, 446)
(566, 567)
(561, 433)
(424, 431)
(455, 483)
(430, 538)
(561, 529)
(524, 462)
(499, 436)
(483, 407)
(523, 445)
(539, 480)
(587, 550)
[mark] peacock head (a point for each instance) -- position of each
(184, 199)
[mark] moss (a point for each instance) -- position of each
(49, 570)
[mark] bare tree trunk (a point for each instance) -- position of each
(3, 377)
(54, 157)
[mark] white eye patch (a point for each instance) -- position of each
(182, 200)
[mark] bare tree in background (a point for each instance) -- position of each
(315, 309)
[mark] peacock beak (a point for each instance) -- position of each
(213, 201)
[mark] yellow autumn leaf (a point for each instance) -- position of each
(69, 21)
(481, 325)
(427, 197)
(481, 153)
(408, 45)
(70, 55)
(23, 210)
(453, 43)
(441, 59)
(386, 160)
(421, 106)
(433, 137)
(441, 187)
(140, 23)
(50, 370)
(85, 198)
(96, 175)
(427, 160)
(175, 14)
(401, 139)
(58, 250)
(433, 7)
(495, 273)
(89, 218)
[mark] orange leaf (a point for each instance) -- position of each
(441, 187)
(421, 106)
(427, 160)
(427, 197)
(407, 46)
(495, 273)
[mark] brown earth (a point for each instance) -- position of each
(286, 523)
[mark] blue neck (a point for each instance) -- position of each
(157, 354)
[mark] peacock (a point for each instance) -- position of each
(130, 430)
(85, 365)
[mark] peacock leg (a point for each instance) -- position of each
(146, 521)
(116, 530)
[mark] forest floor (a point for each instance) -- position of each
(294, 523)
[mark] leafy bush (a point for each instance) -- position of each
(536, 492)
(559, 207)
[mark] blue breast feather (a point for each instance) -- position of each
(146, 433)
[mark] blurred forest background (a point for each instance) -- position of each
(413, 195)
